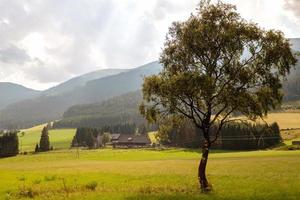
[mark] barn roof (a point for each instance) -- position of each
(115, 136)
(135, 139)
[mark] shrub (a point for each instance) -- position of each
(91, 185)
(50, 178)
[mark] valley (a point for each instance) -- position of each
(150, 100)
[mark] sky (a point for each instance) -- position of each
(46, 42)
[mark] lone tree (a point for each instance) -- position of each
(44, 141)
(214, 64)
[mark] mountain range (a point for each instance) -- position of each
(11, 93)
(23, 107)
(50, 105)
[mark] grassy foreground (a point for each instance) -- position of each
(149, 174)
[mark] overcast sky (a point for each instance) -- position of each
(45, 42)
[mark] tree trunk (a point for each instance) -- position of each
(205, 186)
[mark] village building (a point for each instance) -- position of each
(114, 137)
(296, 142)
(131, 141)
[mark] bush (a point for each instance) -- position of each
(50, 178)
(91, 185)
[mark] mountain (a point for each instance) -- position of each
(117, 110)
(81, 81)
(291, 86)
(51, 107)
(11, 93)
(295, 43)
(98, 87)
(107, 87)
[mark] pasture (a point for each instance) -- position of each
(60, 138)
(149, 174)
(285, 119)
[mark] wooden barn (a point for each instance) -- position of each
(132, 141)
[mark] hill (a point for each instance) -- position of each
(107, 87)
(51, 107)
(81, 81)
(117, 110)
(97, 87)
(11, 93)
(295, 44)
(291, 86)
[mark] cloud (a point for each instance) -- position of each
(46, 42)
(13, 54)
(294, 6)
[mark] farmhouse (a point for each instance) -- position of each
(130, 140)
(295, 142)
(114, 137)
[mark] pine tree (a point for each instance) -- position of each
(44, 141)
(36, 148)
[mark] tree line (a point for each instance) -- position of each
(98, 137)
(233, 136)
(9, 144)
(89, 137)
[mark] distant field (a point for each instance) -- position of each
(149, 174)
(60, 138)
(290, 135)
(285, 119)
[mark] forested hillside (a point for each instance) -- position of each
(25, 107)
(117, 110)
(51, 107)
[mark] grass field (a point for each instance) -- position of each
(285, 119)
(149, 174)
(60, 138)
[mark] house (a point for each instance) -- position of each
(115, 137)
(130, 140)
(295, 142)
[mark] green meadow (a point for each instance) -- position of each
(60, 138)
(147, 173)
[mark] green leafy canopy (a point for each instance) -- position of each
(216, 63)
